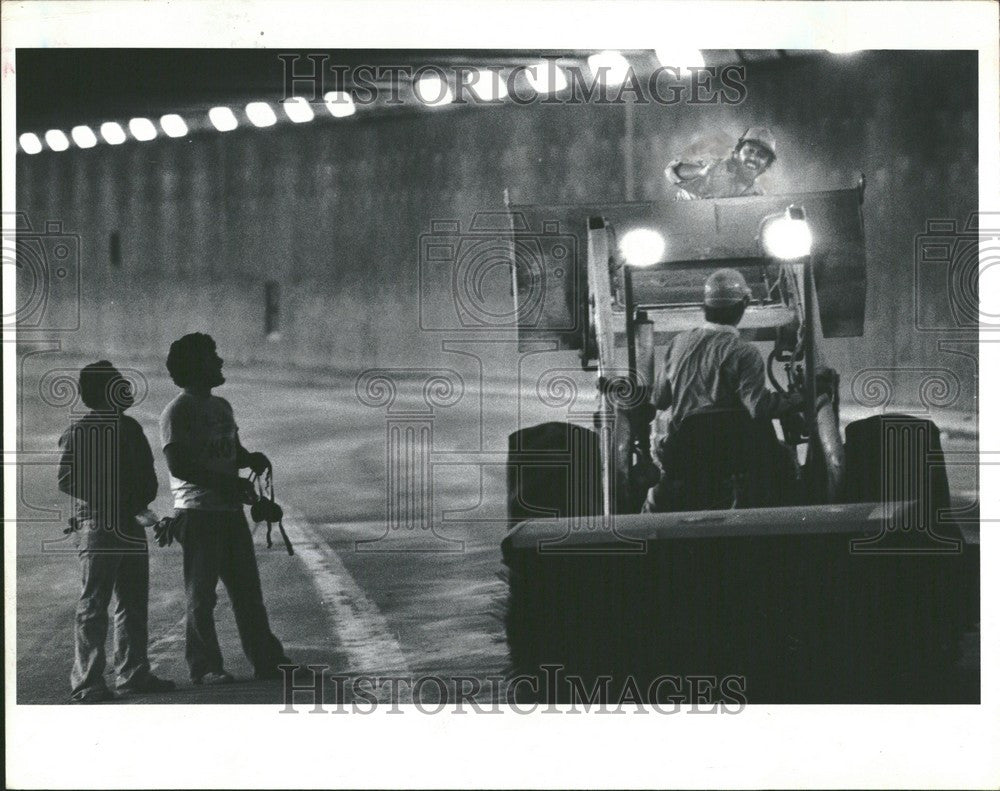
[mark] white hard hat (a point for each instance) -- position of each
(725, 287)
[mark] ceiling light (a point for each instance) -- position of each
(339, 103)
(298, 110)
(112, 133)
(609, 66)
(261, 114)
(681, 57)
(83, 136)
(142, 129)
(222, 118)
(487, 84)
(546, 77)
(173, 125)
(56, 140)
(30, 143)
(433, 91)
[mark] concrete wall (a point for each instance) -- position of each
(333, 212)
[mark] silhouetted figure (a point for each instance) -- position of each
(107, 466)
(204, 454)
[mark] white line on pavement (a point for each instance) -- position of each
(171, 642)
(361, 629)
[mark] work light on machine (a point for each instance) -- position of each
(787, 235)
(642, 247)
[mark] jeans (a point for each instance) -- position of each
(217, 545)
(110, 565)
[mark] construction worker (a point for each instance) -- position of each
(730, 177)
(713, 366)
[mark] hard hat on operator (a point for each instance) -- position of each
(726, 287)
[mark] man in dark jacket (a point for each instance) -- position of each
(107, 467)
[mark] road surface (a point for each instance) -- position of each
(355, 598)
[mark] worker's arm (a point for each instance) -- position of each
(145, 470)
(750, 384)
(182, 465)
(255, 461)
(663, 396)
(67, 476)
(678, 171)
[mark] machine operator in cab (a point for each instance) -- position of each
(712, 366)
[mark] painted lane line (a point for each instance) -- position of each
(361, 630)
(171, 642)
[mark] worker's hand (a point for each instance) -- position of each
(827, 382)
(165, 531)
(641, 414)
(258, 462)
(242, 489)
(793, 426)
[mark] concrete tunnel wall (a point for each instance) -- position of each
(332, 212)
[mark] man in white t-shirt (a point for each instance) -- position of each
(202, 445)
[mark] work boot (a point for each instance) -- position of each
(98, 695)
(213, 678)
(272, 672)
(147, 685)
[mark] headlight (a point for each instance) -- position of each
(642, 247)
(787, 235)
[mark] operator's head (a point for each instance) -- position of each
(755, 150)
(104, 389)
(193, 361)
(726, 297)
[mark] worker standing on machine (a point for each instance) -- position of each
(712, 366)
(731, 177)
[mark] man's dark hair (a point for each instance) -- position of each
(725, 314)
(99, 389)
(184, 359)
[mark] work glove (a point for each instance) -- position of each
(259, 463)
(245, 491)
(165, 531)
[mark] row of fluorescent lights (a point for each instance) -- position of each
(487, 84)
(222, 118)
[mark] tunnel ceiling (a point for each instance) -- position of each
(60, 86)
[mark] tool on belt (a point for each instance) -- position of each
(265, 509)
